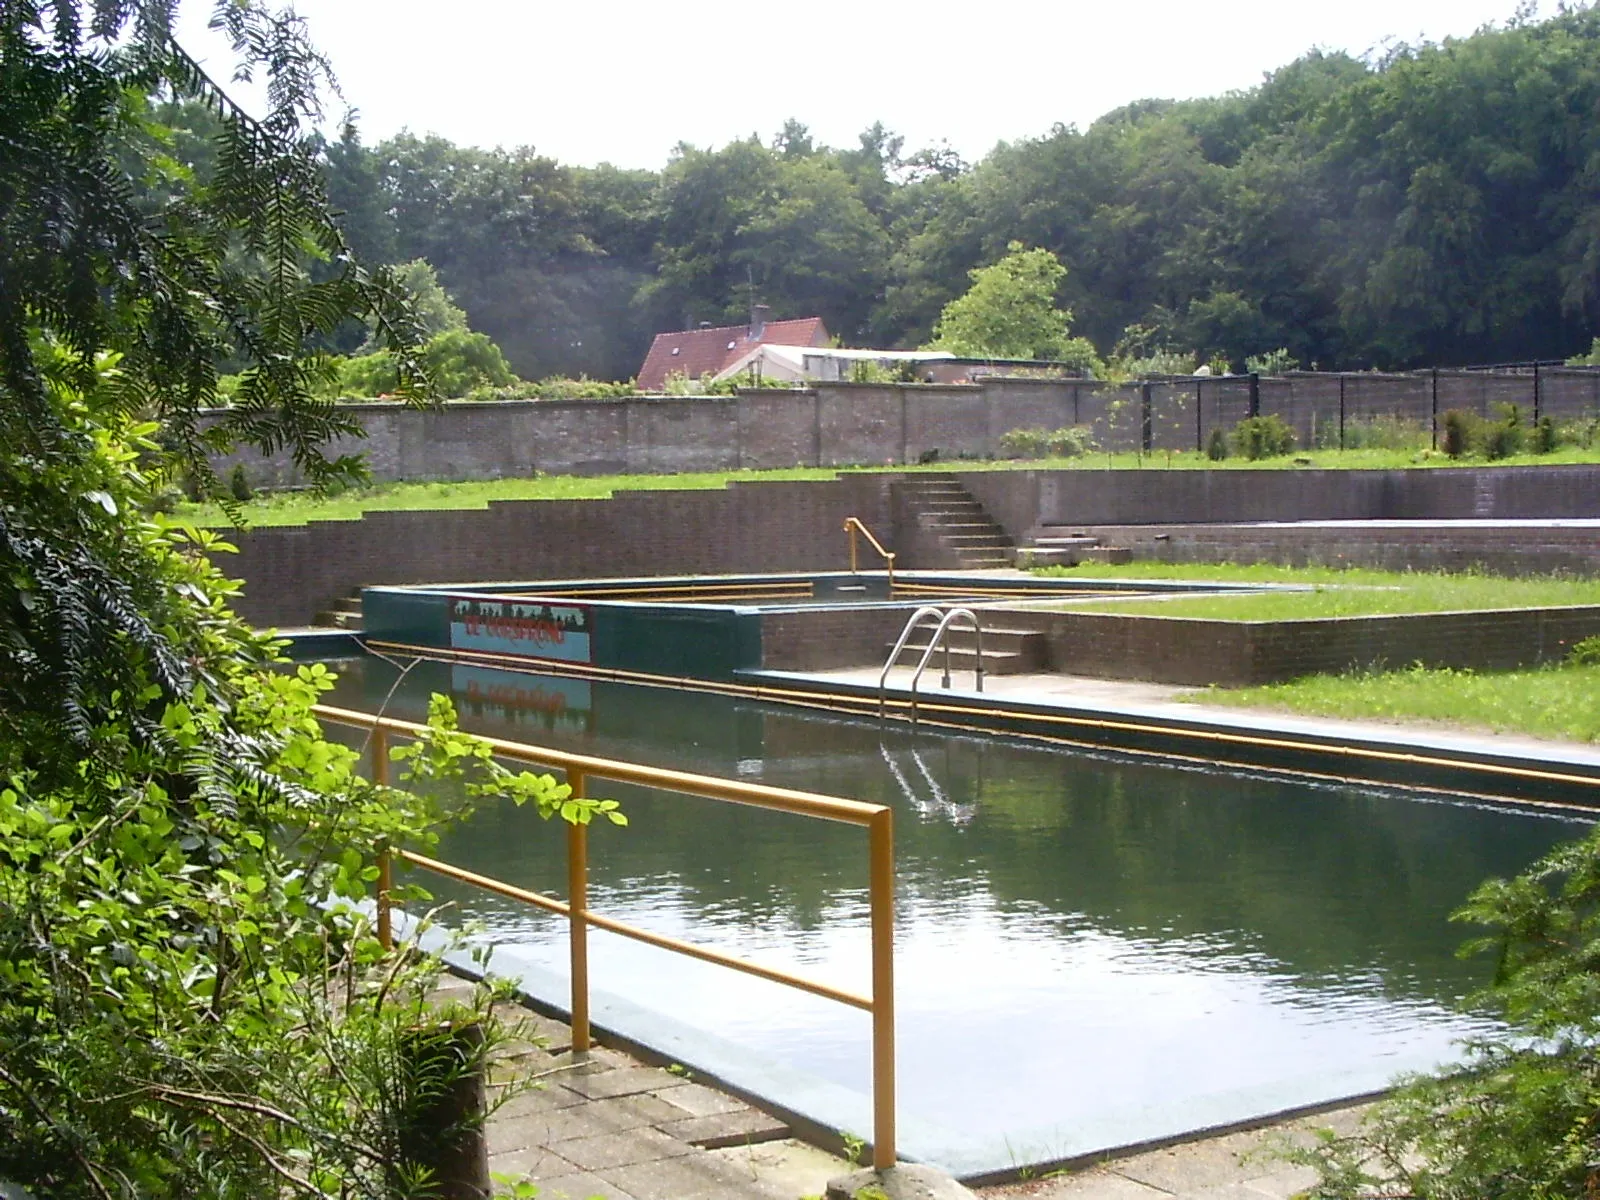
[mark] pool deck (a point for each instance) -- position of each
(1160, 700)
(614, 1126)
(609, 1125)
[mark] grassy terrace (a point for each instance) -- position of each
(1556, 701)
(1332, 592)
(1552, 702)
(296, 508)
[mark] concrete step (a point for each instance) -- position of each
(980, 559)
(1047, 556)
(974, 541)
(1065, 543)
(339, 619)
(995, 662)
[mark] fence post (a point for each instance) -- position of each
(577, 918)
(1146, 419)
(1341, 410)
(1199, 423)
(1536, 393)
(380, 776)
(1255, 393)
(1433, 419)
(881, 891)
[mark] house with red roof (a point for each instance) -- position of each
(695, 353)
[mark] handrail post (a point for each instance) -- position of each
(577, 917)
(850, 528)
(380, 776)
(881, 851)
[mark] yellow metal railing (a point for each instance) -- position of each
(579, 769)
(853, 526)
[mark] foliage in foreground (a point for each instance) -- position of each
(1519, 1118)
(188, 1003)
(189, 1006)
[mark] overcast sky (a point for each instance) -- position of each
(626, 80)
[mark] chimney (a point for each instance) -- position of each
(758, 321)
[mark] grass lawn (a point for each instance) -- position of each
(296, 508)
(1353, 592)
(1552, 702)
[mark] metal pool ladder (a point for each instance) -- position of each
(942, 619)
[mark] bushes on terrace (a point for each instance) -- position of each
(1072, 442)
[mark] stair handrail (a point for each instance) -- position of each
(853, 526)
(927, 610)
(938, 639)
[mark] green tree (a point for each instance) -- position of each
(179, 846)
(1009, 312)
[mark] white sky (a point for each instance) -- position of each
(624, 81)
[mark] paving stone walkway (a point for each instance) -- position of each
(1235, 1166)
(611, 1126)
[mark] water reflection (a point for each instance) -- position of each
(1074, 933)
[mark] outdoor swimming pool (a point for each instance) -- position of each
(1082, 941)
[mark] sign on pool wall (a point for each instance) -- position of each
(527, 630)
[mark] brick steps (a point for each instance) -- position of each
(345, 613)
(963, 528)
(1006, 651)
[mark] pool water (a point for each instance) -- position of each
(1076, 935)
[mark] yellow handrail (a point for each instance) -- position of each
(853, 526)
(578, 768)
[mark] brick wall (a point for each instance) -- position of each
(1183, 650)
(293, 572)
(1021, 500)
(1515, 550)
(821, 639)
(836, 424)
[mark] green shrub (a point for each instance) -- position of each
(1584, 432)
(1544, 436)
(865, 370)
(1585, 653)
(1023, 443)
(554, 388)
(239, 484)
(1505, 437)
(1591, 359)
(1460, 433)
(457, 360)
(1263, 437)
(1217, 445)
(1072, 442)
(1516, 1118)
(1386, 432)
(1273, 362)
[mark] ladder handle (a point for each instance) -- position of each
(945, 619)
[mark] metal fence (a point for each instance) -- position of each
(1343, 411)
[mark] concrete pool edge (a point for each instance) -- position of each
(819, 1111)
(1537, 774)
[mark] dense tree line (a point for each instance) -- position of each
(1440, 205)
